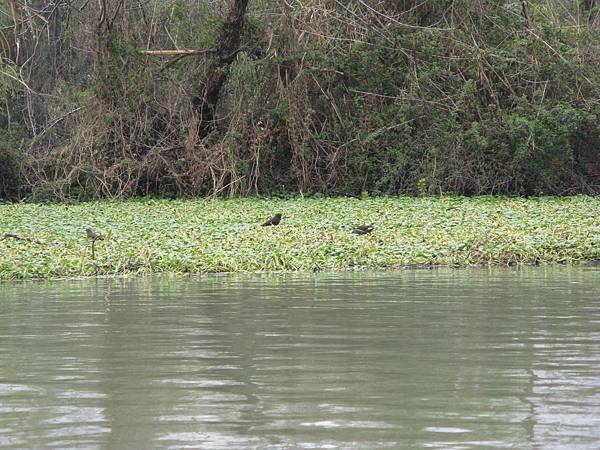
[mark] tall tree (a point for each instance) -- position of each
(205, 99)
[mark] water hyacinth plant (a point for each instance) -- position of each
(210, 235)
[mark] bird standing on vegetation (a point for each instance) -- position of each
(93, 235)
(272, 221)
(363, 229)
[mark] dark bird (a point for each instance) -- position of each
(363, 229)
(93, 235)
(272, 221)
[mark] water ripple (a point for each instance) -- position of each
(443, 359)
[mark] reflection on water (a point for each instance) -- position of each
(436, 359)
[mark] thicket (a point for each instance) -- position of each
(393, 96)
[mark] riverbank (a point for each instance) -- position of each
(204, 236)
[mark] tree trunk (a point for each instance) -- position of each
(207, 93)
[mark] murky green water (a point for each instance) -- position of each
(436, 359)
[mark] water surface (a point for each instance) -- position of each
(412, 359)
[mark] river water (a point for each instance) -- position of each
(472, 358)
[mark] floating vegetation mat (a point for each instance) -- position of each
(200, 236)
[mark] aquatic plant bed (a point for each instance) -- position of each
(200, 236)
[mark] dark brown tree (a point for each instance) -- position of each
(207, 93)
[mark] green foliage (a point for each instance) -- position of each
(466, 110)
(199, 236)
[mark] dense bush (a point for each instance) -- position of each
(462, 97)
